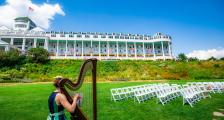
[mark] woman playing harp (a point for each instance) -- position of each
(87, 107)
(58, 101)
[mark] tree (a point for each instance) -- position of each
(212, 58)
(11, 58)
(38, 55)
(182, 57)
(222, 58)
(193, 59)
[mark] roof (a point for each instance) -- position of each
(23, 18)
(38, 29)
(4, 28)
(3, 43)
(26, 19)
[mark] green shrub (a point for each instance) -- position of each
(38, 55)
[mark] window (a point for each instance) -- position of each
(53, 35)
(86, 36)
(62, 35)
(71, 35)
(79, 36)
(122, 37)
(111, 37)
(116, 37)
(103, 36)
(126, 37)
(95, 36)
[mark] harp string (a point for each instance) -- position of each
(85, 91)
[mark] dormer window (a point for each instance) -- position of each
(79, 36)
(62, 35)
(103, 36)
(95, 36)
(71, 35)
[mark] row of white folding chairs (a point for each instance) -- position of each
(121, 93)
(194, 93)
(130, 92)
(166, 92)
(144, 93)
(215, 87)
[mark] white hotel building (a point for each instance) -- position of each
(83, 45)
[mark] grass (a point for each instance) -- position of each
(125, 70)
(29, 101)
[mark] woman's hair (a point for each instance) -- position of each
(56, 82)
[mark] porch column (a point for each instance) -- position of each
(66, 48)
(74, 48)
(143, 49)
(91, 48)
(23, 45)
(163, 50)
(12, 41)
(117, 50)
(46, 44)
(169, 49)
(135, 50)
(126, 49)
(108, 49)
(99, 50)
(82, 49)
(153, 49)
(6, 47)
(35, 42)
(57, 48)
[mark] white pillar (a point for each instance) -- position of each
(7, 48)
(23, 44)
(66, 48)
(126, 49)
(74, 48)
(108, 49)
(91, 48)
(117, 49)
(82, 49)
(143, 49)
(170, 54)
(46, 44)
(163, 50)
(57, 48)
(99, 50)
(35, 42)
(153, 49)
(135, 50)
(12, 41)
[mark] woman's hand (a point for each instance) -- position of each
(76, 97)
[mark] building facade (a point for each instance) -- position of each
(84, 45)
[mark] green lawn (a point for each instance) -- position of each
(29, 101)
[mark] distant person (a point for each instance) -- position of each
(57, 102)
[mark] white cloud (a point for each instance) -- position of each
(205, 54)
(41, 14)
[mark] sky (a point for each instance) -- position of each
(196, 26)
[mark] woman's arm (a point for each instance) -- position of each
(64, 102)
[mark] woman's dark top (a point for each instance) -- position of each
(56, 111)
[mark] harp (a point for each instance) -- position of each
(67, 87)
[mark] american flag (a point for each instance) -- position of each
(31, 9)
